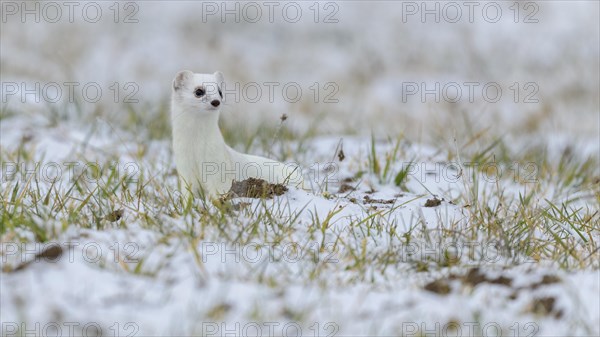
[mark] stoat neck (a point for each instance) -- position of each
(200, 129)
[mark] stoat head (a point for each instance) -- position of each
(199, 93)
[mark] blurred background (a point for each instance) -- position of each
(357, 63)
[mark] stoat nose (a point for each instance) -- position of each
(215, 103)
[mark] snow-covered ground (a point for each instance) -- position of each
(96, 241)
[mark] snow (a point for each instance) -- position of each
(138, 280)
(93, 283)
(171, 302)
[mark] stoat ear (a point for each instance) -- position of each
(220, 78)
(181, 78)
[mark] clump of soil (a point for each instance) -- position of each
(433, 202)
(255, 188)
(115, 215)
(547, 279)
(473, 278)
(346, 188)
(368, 200)
(546, 306)
(51, 254)
(438, 286)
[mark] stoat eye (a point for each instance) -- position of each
(220, 93)
(199, 92)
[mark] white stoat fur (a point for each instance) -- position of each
(205, 163)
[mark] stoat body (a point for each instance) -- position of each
(205, 163)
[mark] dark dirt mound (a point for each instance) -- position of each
(433, 202)
(255, 188)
